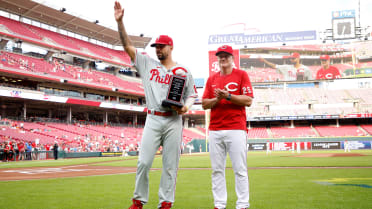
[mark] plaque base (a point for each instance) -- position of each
(167, 103)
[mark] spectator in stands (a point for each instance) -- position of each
(21, 148)
(296, 71)
(227, 93)
(28, 150)
(55, 150)
(6, 151)
(15, 150)
(34, 150)
(2, 152)
(327, 71)
(163, 124)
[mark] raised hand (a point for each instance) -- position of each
(119, 12)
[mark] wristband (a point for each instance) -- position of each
(228, 98)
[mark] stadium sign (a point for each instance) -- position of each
(303, 117)
(343, 14)
(325, 145)
(358, 145)
(243, 39)
(256, 146)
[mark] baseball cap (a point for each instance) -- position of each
(294, 55)
(225, 48)
(163, 39)
(324, 57)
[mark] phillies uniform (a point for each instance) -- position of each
(163, 127)
(291, 73)
(228, 133)
(330, 73)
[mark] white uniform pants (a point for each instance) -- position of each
(165, 131)
(234, 142)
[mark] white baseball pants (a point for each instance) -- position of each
(234, 142)
(165, 131)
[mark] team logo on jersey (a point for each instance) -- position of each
(330, 76)
(157, 78)
(232, 86)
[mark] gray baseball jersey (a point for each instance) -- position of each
(155, 79)
(291, 73)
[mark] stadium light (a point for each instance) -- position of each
(63, 9)
(96, 22)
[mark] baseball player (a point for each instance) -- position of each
(163, 124)
(268, 150)
(294, 72)
(346, 146)
(327, 71)
(293, 146)
(227, 93)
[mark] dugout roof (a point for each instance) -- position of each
(50, 16)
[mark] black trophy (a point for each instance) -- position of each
(175, 92)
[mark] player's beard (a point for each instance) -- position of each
(162, 56)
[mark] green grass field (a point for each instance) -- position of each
(287, 187)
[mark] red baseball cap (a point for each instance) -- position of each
(325, 57)
(225, 48)
(163, 39)
(295, 55)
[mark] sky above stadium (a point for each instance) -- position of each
(191, 22)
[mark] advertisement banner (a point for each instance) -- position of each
(282, 146)
(343, 14)
(357, 144)
(289, 146)
(32, 95)
(213, 62)
(326, 145)
(256, 146)
(243, 39)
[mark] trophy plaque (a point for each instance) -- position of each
(175, 92)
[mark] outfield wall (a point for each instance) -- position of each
(290, 146)
(287, 144)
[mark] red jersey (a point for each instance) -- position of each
(330, 73)
(226, 115)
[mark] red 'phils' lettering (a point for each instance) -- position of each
(155, 74)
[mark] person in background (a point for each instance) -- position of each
(268, 149)
(327, 71)
(55, 150)
(347, 146)
(294, 72)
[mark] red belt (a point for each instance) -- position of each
(160, 113)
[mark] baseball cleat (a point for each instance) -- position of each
(137, 204)
(166, 205)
